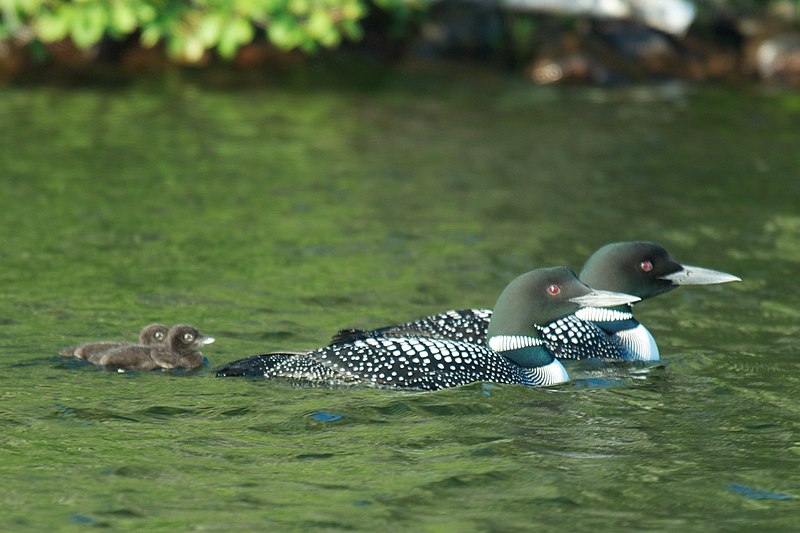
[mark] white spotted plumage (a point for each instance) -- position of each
(571, 337)
(448, 350)
(468, 325)
(474, 363)
(375, 361)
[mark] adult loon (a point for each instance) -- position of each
(641, 269)
(150, 335)
(181, 350)
(513, 353)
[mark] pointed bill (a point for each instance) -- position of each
(208, 340)
(598, 298)
(692, 275)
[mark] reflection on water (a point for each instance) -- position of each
(272, 217)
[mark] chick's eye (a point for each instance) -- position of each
(159, 336)
(646, 265)
(188, 337)
(554, 290)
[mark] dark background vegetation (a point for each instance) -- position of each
(728, 40)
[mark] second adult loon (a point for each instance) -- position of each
(513, 353)
(641, 269)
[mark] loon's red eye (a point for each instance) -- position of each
(554, 290)
(646, 265)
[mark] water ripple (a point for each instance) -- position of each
(324, 416)
(758, 494)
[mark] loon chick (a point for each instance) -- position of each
(181, 350)
(641, 269)
(151, 334)
(514, 352)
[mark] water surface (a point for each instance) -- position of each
(272, 215)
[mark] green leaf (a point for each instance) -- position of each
(299, 7)
(261, 10)
(145, 12)
(193, 49)
(351, 29)
(51, 27)
(309, 46)
(322, 28)
(88, 24)
(150, 35)
(237, 31)
(188, 26)
(123, 17)
(285, 33)
(210, 28)
(38, 51)
(331, 38)
(353, 10)
(175, 45)
(319, 23)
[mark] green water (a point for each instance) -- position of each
(272, 215)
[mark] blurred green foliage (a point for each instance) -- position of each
(189, 28)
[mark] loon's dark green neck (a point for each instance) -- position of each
(529, 357)
(526, 350)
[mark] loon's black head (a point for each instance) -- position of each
(153, 334)
(644, 269)
(536, 299)
(543, 296)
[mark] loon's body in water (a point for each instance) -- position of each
(641, 269)
(513, 351)
(181, 350)
(152, 334)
